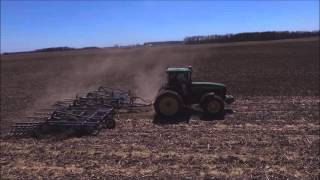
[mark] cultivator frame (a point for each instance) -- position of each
(84, 114)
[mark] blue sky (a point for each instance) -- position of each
(28, 25)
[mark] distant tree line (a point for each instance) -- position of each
(63, 49)
(162, 43)
(54, 49)
(250, 36)
(91, 47)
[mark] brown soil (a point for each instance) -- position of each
(273, 131)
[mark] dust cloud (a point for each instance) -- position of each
(139, 70)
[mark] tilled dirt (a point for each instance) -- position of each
(270, 132)
(263, 137)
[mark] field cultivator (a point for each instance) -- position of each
(85, 114)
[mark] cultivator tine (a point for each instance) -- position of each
(22, 129)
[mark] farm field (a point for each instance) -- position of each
(272, 131)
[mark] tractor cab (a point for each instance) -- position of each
(179, 79)
(179, 75)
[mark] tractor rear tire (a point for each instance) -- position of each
(168, 104)
(213, 106)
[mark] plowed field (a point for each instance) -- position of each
(272, 131)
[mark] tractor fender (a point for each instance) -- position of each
(162, 92)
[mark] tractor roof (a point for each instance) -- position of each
(178, 70)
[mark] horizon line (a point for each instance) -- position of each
(143, 43)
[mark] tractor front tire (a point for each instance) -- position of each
(168, 104)
(213, 106)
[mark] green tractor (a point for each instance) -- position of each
(180, 92)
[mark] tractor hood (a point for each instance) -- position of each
(201, 88)
(208, 85)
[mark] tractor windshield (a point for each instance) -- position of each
(179, 78)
